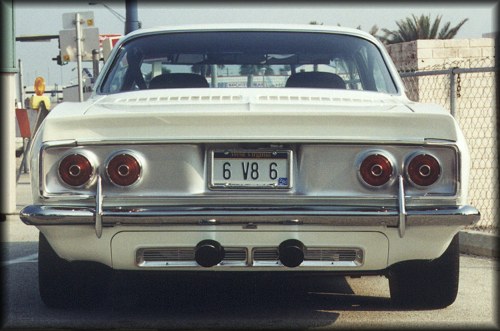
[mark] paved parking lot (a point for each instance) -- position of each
(146, 300)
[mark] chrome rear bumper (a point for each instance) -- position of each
(249, 217)
(252, 216)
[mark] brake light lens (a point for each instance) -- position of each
(123, 169)
(376, 170)
(75, 170)
(423, 170)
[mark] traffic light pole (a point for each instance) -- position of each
(131, 16)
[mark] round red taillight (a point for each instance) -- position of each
(423, 170)
(123, 169)
(376, 170)
(75, 170)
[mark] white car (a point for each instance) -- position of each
(275, 148)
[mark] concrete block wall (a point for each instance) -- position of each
(431, 53)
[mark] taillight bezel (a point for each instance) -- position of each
(411, 180)
(132, 154)
(90, 178)
(370, 153)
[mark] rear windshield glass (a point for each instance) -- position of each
(248, 60)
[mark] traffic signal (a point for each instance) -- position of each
(59, 60)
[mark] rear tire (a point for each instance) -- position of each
(64, 284)
(427, 284)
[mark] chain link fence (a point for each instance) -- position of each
(467, 90)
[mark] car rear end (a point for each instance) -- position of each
(348, 177)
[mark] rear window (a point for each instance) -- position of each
(248, 60)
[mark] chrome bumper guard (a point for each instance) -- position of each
(251, 217)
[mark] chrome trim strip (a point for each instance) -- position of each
(235, 198)
(186, 257)
(168, 257)
(293, 216)
(113, 142)
(313, 257)
(259, 140)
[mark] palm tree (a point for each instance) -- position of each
(413, 28)
(373, 31)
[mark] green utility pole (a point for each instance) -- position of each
(8, 72)
(8, 60)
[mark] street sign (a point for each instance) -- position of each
(112, 36)
(107, 43)
(67, 40)
(77, 41)
(86, 20)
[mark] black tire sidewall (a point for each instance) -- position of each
(64, 284)
(427, 284)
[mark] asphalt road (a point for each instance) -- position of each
(153, 301)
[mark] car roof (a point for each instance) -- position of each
(253, 27)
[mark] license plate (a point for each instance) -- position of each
(251, 169)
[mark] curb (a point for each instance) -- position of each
(479, 243)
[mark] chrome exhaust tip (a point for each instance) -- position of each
(291, 253)
(209, 253)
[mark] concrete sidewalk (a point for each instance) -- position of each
(471, 242)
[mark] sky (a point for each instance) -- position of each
(33, 18)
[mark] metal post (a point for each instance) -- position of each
(95, 63)
(79, 55)
(213, 76)
(20, 82)
(452, 92)
(24, 164)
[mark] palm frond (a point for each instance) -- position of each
(451, 33)
(420, 27)
(435, 26)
